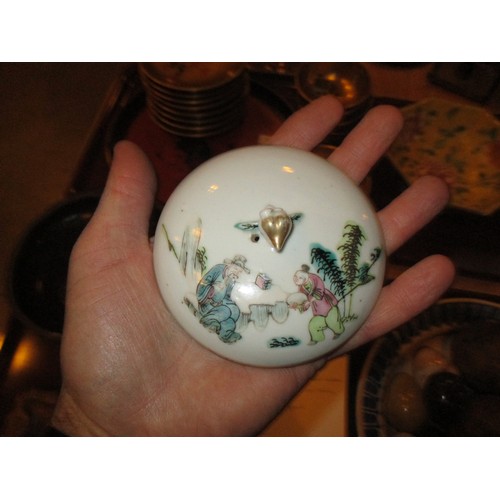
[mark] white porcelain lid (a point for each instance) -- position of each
(269, 256)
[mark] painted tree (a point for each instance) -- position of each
(353, 237)
(192, 257)
(327, 266)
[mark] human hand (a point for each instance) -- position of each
(129, 368)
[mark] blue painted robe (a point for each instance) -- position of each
(218, 311)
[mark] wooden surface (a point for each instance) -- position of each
(319, 409)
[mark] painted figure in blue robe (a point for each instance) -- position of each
(218, 311)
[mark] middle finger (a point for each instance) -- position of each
(367, 142)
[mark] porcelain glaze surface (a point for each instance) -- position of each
(269, 256)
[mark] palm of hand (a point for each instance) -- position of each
(129, 369)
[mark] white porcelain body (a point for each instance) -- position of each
(281, 307)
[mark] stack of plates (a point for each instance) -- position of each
(195, 99)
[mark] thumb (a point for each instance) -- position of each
(127, 201)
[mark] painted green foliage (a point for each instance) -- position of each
(343, 271)
(200, 256)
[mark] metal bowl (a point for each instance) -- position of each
(349, 82)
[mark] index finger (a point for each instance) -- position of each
(308, 126)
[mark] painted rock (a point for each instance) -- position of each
(269, 256)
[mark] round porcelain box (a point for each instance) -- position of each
(269, 256)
